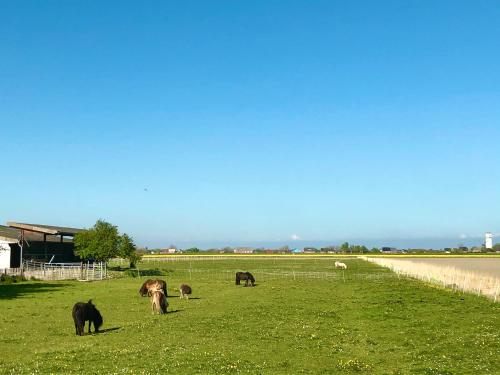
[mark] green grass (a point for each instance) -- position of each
(302, 317)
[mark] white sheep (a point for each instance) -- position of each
(340, 265)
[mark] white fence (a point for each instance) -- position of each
(60, 271)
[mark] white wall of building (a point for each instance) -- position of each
(488, 240)
(4, 255)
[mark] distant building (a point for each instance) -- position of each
(488, 240)
(310, 250)
(390, 250)
(296, 251)
(330, 249)
(169, 250)
(243, 250)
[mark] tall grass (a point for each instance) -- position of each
(449, 277)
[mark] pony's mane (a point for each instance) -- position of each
(156, 290)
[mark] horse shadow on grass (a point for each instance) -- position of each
(12, 291)
(177, 296)
(109, 329)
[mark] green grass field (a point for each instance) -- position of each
(302, 317)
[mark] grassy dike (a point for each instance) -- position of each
(302, 317)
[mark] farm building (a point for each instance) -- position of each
(170, 250)
(310, 250)
(42, 243)
(390, 250)
(243, 250)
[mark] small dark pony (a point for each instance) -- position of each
(247, 276)
(150, 284)
(185, 291)
(83, 312)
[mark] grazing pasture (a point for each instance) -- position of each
(303, 316)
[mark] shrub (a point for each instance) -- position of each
(7, 279)
(134, 273)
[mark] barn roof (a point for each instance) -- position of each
(46, 229)
(13, 235)
(8, 234)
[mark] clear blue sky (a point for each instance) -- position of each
(252, 121)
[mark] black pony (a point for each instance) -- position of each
(247, 276)
(83, 312)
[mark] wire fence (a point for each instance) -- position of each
(60, 271)
(200, 268)
(262, 274)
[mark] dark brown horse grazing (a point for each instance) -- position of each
(83, 312)
(247, 276)
(185, 291)
(150, 284)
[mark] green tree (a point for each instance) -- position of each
(192, 250)
(344, 247)
(128, 250)
(98, 243)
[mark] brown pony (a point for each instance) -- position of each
(185, 291)
(149, 284)
(159, 302)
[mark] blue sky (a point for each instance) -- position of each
(253, 122)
